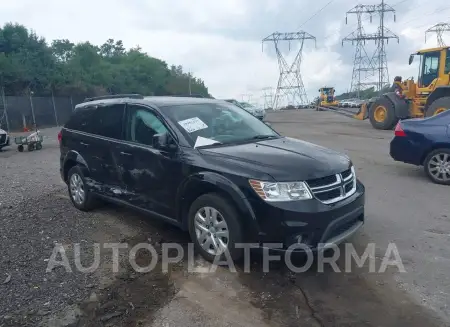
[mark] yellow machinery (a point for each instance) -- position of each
(408, 99)
(327, 97)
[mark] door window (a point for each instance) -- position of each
(447, 62)
(107, 121)
(142, 125)
(430, 67)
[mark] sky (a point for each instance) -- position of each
(221, 41)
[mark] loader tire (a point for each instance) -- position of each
(382, 114)
(438, 106)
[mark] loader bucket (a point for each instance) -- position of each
(363, 112)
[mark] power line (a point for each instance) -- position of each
(316, 13)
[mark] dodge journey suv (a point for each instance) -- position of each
(212, 169)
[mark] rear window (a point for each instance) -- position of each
(81, 119)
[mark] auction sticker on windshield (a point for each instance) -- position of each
(192, 125)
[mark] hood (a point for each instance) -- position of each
(285, 159)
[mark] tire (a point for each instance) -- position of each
(38, 146)
(389, 118)
(433, 156)
(438, 106)
(229, 215)
(88, 202)
(20, 148)
(30, 147)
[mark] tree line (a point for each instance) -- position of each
(28, 64)
(363, 94)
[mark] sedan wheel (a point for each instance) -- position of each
(438, 167)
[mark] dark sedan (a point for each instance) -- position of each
(425, 142)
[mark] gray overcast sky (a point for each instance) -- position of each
(220, 41)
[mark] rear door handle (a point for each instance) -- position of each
(85, 144)
(125, 153)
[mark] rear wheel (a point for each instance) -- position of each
(382, 114)
(79, 193)
(437, 166)
(438, 106)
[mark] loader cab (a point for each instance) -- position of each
(434, 67)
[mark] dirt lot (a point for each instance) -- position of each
(402, 207)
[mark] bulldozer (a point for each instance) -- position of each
(326, 97)
(408, 99)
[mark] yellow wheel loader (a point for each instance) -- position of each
(408, 99)
(326, 98)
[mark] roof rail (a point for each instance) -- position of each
(191, 96)
(114, 96)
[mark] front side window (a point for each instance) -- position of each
(430, 67)
(220, 122)
(447, 62)
(142, 125)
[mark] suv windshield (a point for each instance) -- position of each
(220, 122)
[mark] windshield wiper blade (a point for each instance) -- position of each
(263, 137)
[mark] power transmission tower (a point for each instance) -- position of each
(290, 83)
(363, 67)
(267, 97)
(439, 29)
(383, 35)
(377, 65)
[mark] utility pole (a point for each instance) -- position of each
(190, 77)
(290, 83)
(439, 29)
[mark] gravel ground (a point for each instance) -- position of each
(36, 214)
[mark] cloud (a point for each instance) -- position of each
(220, 42)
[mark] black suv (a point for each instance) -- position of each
(210, 168)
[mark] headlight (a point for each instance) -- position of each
(276, 192)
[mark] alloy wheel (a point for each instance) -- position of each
(77, 189)
(439, 167)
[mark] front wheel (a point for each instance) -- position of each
(438, 106)
(214, 227)
(382, 114)
(437, 166)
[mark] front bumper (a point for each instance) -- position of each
(310, 223)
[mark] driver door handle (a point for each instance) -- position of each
(126, 154)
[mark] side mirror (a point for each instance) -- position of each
(163, 141)
(411, 59)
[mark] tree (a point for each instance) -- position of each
(27, 63)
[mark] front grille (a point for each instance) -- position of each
(334, 188)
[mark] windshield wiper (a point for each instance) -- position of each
(263, 137)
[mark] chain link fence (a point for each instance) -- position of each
(20, 112)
